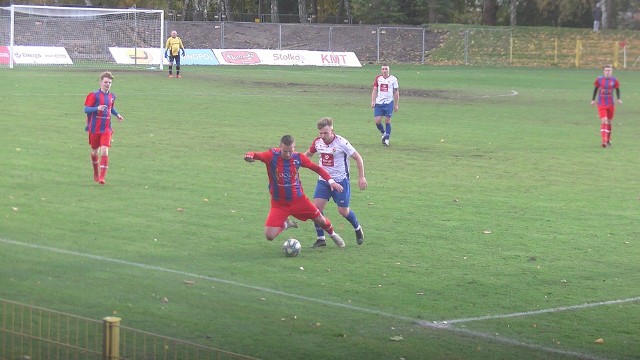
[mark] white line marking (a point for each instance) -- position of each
(538, 312)
(441, 325)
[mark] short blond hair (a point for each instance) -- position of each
(325, 121)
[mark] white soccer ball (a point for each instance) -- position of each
(291, 247)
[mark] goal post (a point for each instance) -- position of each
(80, 37)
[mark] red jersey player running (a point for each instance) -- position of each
(287, 195)
(99, 107)
(604, 86)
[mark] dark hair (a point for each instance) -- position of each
(287, 140)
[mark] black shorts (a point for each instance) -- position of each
(175, 58)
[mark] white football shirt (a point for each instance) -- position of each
(386, 87)
(333, 157)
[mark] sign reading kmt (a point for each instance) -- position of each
(286, 57)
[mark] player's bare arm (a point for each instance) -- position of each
(362, 181)
(396, 100)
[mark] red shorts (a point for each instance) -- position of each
(606, 112)
(97, 140)
(301, 208)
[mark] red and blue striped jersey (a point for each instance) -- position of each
(605, 90)
(284, 179)
(99, 122)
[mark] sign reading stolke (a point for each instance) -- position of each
(150, 56)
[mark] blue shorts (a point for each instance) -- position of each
(324, 191)
(383, 110)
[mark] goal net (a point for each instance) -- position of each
(74, 36)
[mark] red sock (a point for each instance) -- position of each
(104, 165)
(94, 161)
(603, 132)
(328, 227)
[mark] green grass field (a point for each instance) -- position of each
(494, 209)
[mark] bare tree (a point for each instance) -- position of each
(184, 9)
(224, 10)
(302, 11)
(489, 10)
(605, 5)
(347, 9)
(275, 18)
(513, 11)
(432, 6)
(314, 11)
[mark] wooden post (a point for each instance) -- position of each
(111, 338)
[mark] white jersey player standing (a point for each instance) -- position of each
(334, 152)
(384, 101)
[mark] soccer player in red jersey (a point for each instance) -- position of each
(287, 195)
(99, 107)
(604, 86)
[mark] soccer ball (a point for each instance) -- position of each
(291, 247)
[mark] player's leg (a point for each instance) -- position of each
(342, 199)
(171, 65)
(303, 209)
(275, 223)
(325, 223)
(604, 124)
(320, 198)
(377, 117)
(94, 143)
(385, 110)
(178, 66)
(610, 113)
(105, 143)
(387, 126)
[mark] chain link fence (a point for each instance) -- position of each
(370, 43)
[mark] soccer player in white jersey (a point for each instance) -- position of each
(334, 152)
(384, 101)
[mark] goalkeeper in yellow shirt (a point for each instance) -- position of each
(173, 48)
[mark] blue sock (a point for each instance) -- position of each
(379, 126)
(352, 219)
(388, 129)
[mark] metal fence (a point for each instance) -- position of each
(28, 332)
(370, 43)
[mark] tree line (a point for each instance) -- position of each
(622, 14)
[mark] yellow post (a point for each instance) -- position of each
(555, 53)
(578, 47)
(615, 54)
(111, 338)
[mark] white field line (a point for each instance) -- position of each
(442, 325)
(538, 312)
